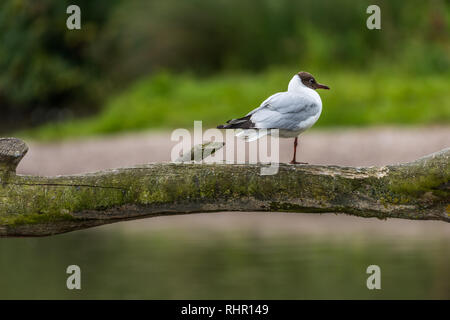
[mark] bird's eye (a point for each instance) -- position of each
(311, 80)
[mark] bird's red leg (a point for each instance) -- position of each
(295, 150)
(295, 153)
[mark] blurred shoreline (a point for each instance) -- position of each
(281, 224)
(373, 146)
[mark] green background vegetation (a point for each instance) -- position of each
(162, 64)
(172, 101)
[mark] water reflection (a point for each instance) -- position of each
(174, 264)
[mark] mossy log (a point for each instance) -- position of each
(39, 206)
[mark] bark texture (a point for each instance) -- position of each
(39, 206)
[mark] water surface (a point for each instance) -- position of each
(174, 263)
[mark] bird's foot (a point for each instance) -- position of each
(296, 162)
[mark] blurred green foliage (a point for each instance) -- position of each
(43, 65)
(48, 71)
(167, 101)
(203, 35)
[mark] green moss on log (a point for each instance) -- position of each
(38, 205)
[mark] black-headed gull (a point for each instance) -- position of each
(292, 112)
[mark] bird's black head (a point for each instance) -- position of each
(309, 81)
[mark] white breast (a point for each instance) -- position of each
(295, 85)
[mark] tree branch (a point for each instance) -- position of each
(38, 206)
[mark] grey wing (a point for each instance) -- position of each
(265, 103)
(284, 110)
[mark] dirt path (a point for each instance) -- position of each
(355, 147)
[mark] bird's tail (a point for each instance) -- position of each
(250, 135)
(246, 125)
(241, 123)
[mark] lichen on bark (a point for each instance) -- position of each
(35, 206)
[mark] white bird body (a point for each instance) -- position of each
(290, 112)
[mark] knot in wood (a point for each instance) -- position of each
(12, 150)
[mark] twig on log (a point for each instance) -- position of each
(38, 206)
(200, 152)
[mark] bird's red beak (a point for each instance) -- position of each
(322, 86)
